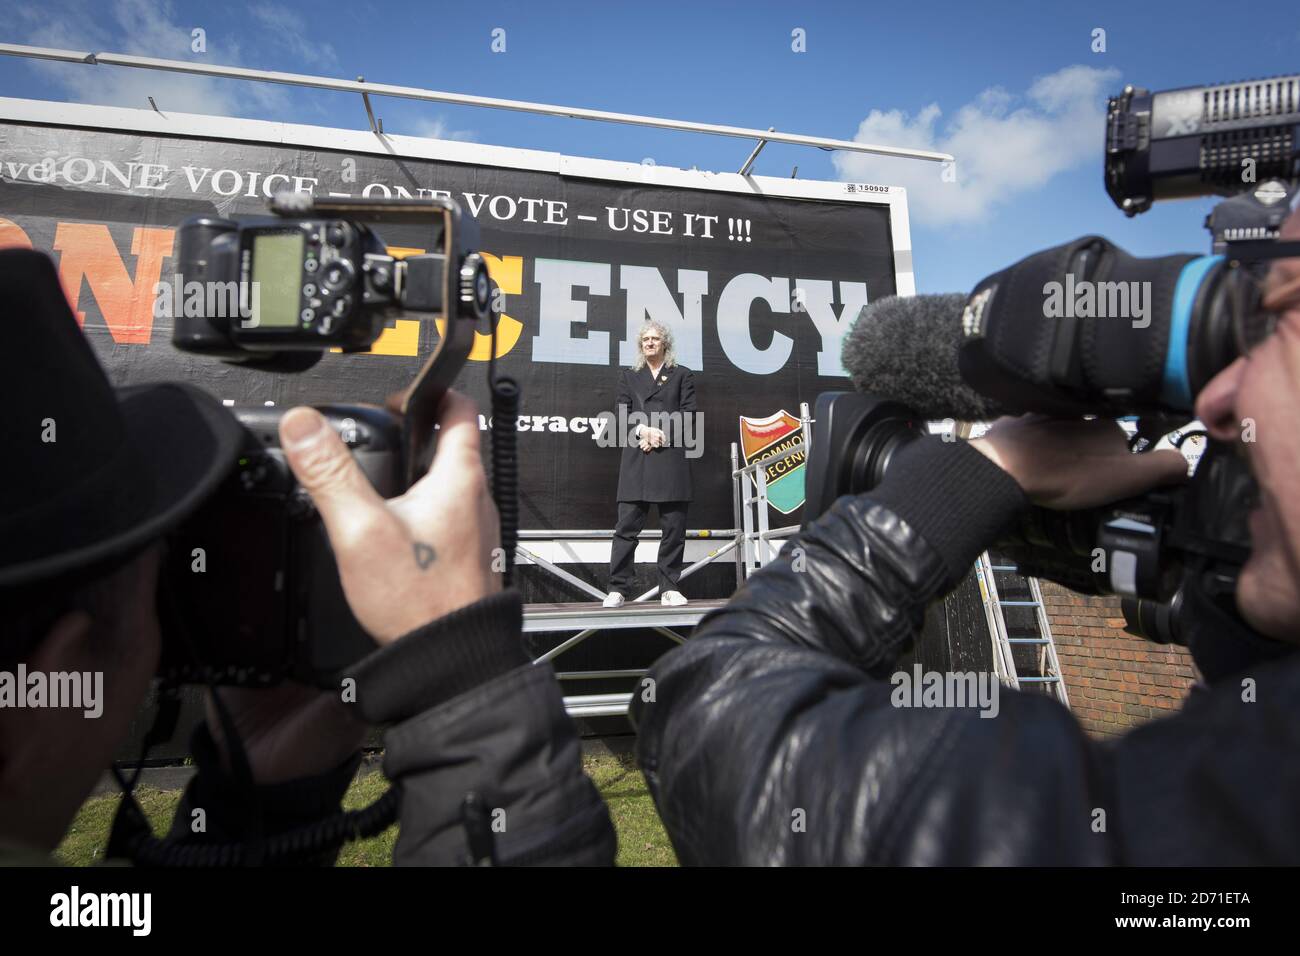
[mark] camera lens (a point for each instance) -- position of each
(873, 452)
(1153, 620)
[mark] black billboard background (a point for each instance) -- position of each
(567, 479)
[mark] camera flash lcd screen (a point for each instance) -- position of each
(277, 272)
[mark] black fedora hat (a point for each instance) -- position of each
(91, 473)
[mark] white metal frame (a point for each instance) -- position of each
(1004, 665)
(165, 123)
(461, 99)
(749, 488)
(638, 613)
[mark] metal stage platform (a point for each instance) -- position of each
(572, 617)
(588, 618)
(749, 545)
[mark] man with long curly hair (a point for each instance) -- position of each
(656, 393)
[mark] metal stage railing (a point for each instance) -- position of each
(366, 90)
(751, 545)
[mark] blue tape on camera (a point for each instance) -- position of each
(1176, 390)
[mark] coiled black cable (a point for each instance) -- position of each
(505, 463)
(293, 846)
(505, 468)
(132, 836)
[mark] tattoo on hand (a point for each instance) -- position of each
(424, 555)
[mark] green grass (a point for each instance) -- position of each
(84, 842)
(642, 840)
(377, 851)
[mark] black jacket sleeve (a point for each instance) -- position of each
(623, 398)
(688, 392)
(624, 402)
(487, 760)
(770, 738)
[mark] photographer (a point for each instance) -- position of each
(486, 759)
(770, 737)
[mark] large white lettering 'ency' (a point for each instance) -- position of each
(563, 315)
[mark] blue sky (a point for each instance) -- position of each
(1014, 90)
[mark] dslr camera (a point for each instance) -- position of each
(1173, 554)
(250, 592)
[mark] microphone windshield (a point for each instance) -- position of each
(905, 348)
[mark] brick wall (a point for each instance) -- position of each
(1114, 680)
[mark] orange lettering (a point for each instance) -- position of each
(89, 253)
(12, 236)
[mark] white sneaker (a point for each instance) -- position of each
(673, 598)
(613, 599)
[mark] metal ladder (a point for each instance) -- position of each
(1048, 677)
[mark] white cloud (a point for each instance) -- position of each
(289, 31)
(153, 28)
(435, 128)
(1005, 145)
(145, 28)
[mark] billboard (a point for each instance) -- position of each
(757, 278)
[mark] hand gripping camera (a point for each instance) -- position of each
(250, 593)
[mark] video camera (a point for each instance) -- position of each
(1173, 553)
(250, 592)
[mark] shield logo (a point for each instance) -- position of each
(767, 438)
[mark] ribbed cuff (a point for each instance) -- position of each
(441, 660)
(953, 496)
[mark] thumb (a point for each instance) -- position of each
(325, 468)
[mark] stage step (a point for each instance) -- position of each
(578, 617)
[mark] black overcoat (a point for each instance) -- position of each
(663, 474)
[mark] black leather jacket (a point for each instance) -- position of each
(770, 737)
